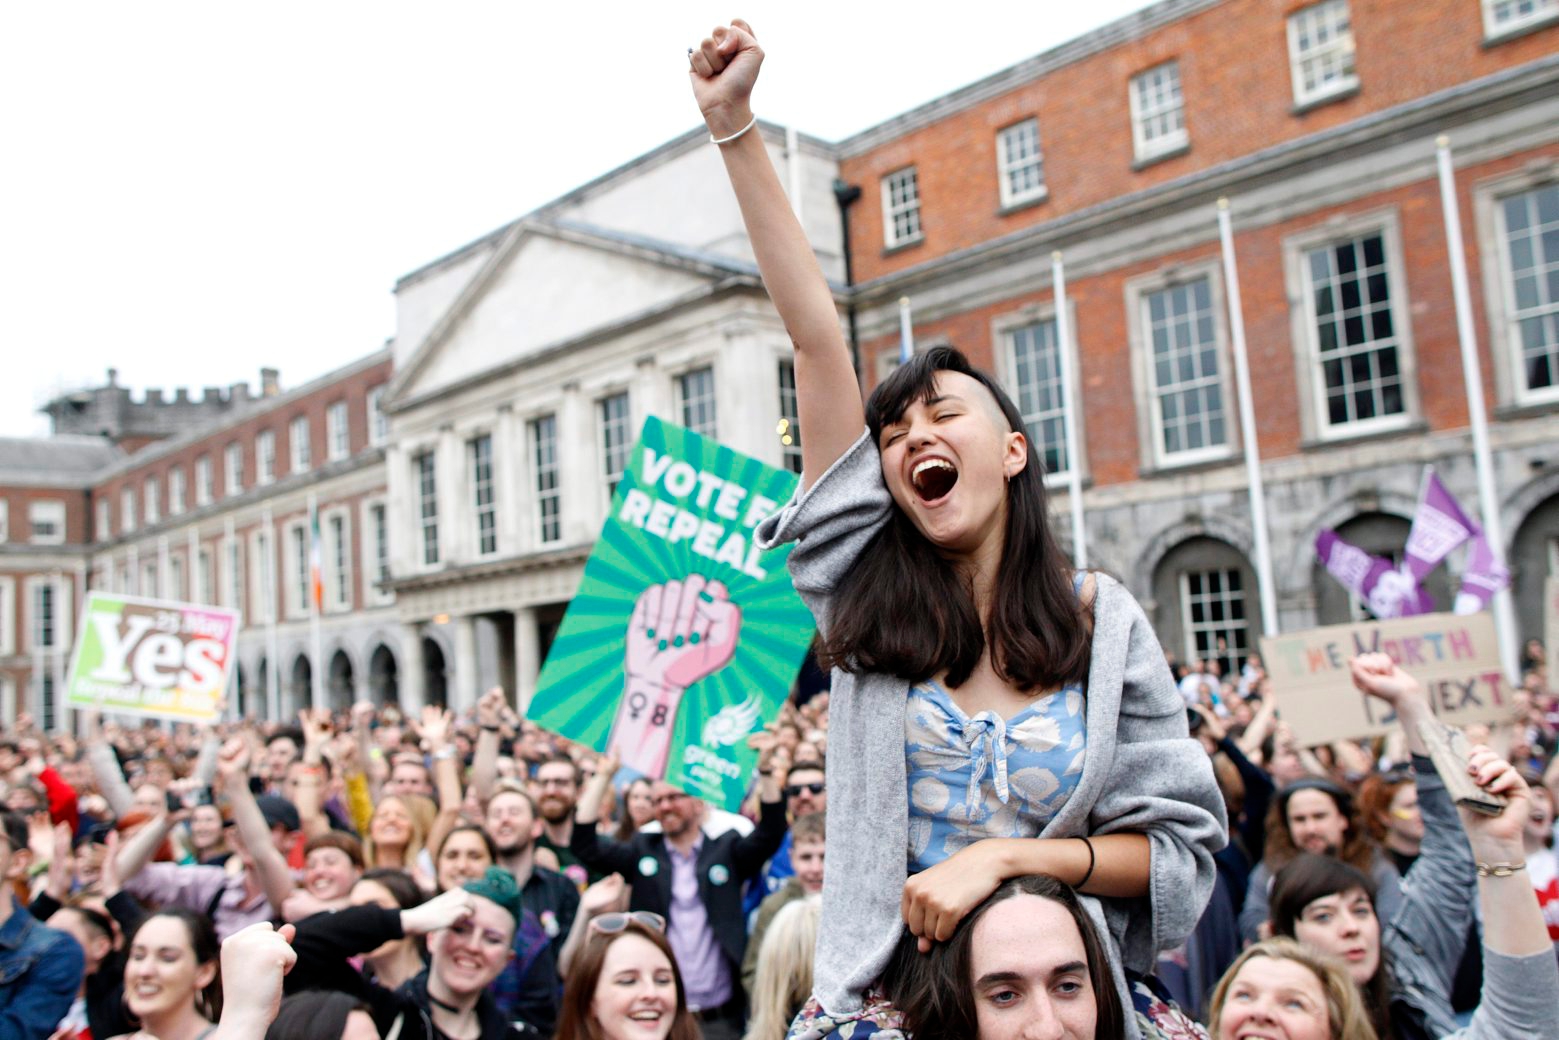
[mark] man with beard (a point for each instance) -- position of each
(513, 825)
(692, 880)
(556, 783)
(1315, 815)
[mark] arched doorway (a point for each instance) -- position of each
(1534, 557)
(383, 679)
(1380, 534)
(299, 691)
(338, 689)
(1208, 605)
(435, 682)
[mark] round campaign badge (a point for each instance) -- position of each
(718, 874)
(648, 866)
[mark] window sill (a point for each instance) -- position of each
(1142, 162)
(1343, 437)
(1019, 205)
(1515, 32)
(1530, 408)
(899, 247)
(1310, 104)
(1204, 463)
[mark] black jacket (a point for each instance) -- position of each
(724, 865)
(325, 941)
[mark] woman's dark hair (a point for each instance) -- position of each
(575, 1022)
(1309, 877)
(626, 828)
(904, 610)
(316, 1014)
(207, 950)
(401, 885)
(935, 990)
(339, 840)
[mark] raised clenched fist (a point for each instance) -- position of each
(681, 632)
(723, 68)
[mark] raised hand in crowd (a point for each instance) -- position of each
(255, 963)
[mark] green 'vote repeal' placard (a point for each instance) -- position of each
(684, 637)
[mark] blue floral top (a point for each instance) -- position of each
(985, 776)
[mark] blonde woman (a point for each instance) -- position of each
(784, 979)
(1278, 987)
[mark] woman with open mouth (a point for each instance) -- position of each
(995, 713)
(171, 976)
(624, 984)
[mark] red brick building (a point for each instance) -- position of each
(1319, 122)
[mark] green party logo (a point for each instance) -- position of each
(684, 635)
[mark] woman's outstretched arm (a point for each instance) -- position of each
(724, 69)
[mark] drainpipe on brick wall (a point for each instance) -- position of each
(845, 195)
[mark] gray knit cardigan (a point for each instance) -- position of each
(1142, 772)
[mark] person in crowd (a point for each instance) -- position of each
(527, 987)
(96, 1009)
(409, 774)
(693, 881)
(470, 934)
(284, 747)
(395, 836)
(782, 969)
(1317, 816)
(332, 863)
(958, 635)
(556, 783)
(171, 978)
(208, 836)
(41, 968)
(323, 1015)
(395, 961)
(1388, 807)
(991, 979)
(807, 855)
(637, 808)
(806, 791)
(1538, 845)
(1404, 963)
(515, 827)
(1277, 988)
(625, 984)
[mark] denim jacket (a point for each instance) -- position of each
(40, 972)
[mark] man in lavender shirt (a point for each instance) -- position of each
(693, 880)
(234, 901)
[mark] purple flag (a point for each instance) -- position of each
(1486, 575)
(1390, 592)
(1439, 526)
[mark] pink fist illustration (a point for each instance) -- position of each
(682, 631)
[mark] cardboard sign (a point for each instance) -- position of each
(1455, 657)
(684, 637)
(152, 658)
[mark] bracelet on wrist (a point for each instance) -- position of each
(727, 140)
(1500, 869)
(445, 752)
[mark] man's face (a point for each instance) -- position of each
(675, 810)
(807, 859)
(556, 791)
(279, 754)
(1315, 824)
(805, 792)
(409, 777)
(511, 823)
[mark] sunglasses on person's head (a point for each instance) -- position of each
(611, 924)
(792, 790)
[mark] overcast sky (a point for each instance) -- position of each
(195, 190)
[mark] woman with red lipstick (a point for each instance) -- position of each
(994, 713)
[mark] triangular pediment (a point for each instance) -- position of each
(545, 285)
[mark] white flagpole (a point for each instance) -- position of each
(1253, 481)
(273, 644)
(316, 604)
(906, 331)
(1472, 376)
(1070, 400)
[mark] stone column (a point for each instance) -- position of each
(463, 696)
(413, 684)
(527, 656)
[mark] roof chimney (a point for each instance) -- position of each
(113, 377)
(270, 382)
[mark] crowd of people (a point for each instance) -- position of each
(1039, 825)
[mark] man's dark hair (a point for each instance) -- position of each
(1357, 849)
(16, 830)
(291, 733)
(904, 610)
(935, 990)
(804, 767)
(560, 757)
